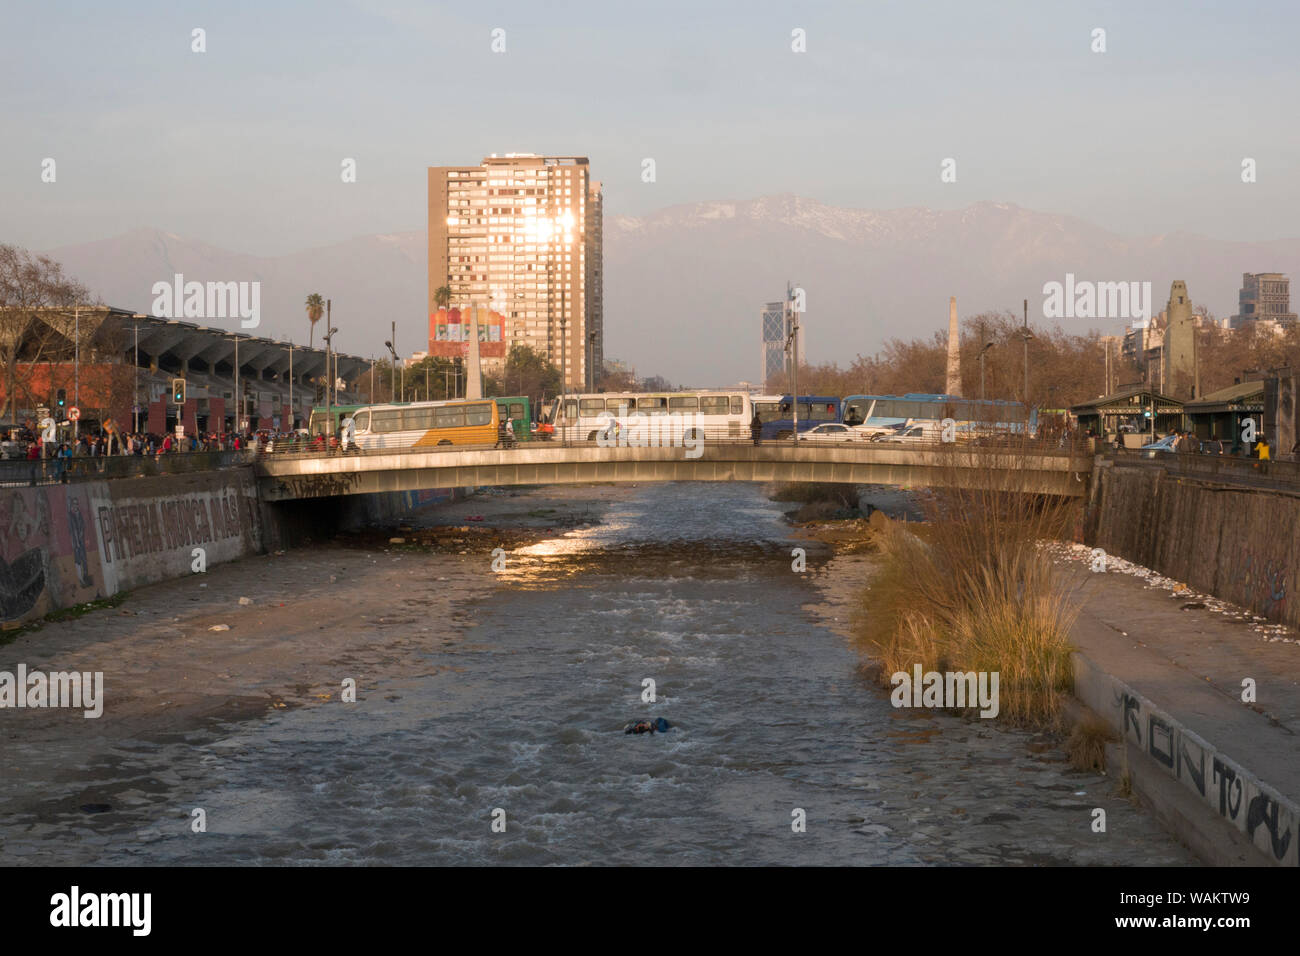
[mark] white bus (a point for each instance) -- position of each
(711, 414)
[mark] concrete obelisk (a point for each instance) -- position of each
(954, 350)
(473, 369)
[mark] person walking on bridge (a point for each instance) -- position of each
(348, 433)
(505, 433)
(756, 428)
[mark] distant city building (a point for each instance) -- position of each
(1264, 295)
(521, 237)
(775, 322)
(1144, 346)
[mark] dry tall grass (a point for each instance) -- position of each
(969, 591)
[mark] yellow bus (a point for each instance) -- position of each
(426, 424)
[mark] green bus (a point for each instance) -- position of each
(326, 422)
(519, 410)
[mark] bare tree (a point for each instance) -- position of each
(30, 287)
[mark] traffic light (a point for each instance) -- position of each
(320, 393)
(62, 397)
(178, 391)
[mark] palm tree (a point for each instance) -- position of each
(315, 309)
(442, 296)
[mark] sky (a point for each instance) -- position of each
(242, 145)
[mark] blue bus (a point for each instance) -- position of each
(777, 413)
(970, 414)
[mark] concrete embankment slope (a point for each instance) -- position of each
(67, 544)
(1167, 673)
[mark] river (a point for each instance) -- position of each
(507, 702)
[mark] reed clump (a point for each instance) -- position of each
(969, 590)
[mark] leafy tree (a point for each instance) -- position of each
(526, 372)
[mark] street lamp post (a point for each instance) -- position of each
(329, 396)
(393, 352)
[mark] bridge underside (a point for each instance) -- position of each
(296, 478)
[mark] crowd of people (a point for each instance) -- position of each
(26, 442)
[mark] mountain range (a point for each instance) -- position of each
(684, 285)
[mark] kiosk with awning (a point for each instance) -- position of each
(1138, 409)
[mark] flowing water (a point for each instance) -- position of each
(519, 719)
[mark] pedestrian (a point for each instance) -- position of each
(756, 428)
(348, 431)
(1261, 449)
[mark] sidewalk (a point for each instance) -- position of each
(1166, 667)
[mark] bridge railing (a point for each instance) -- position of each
(994, 445)
(1225, 469)
(52, 471)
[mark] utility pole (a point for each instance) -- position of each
(983, 349)
(328, 382)
(239, 395)
(1196, 361)
(135, 384)
(291, 413)
(76, 369)
(1027, 338)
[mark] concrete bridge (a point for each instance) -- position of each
(1052, 471)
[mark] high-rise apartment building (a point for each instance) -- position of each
(1264, 295)
(520, 235)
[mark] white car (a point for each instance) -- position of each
(831, 431)
(920, 431)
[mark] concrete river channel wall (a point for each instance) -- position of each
(68, 544)
(1240, 544)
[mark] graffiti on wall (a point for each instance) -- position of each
(169, 524)
(66, 544)
(1228, 790)
(46, 545)
(318, 486)
(1262, 582)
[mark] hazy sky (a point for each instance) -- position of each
(242, 145)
